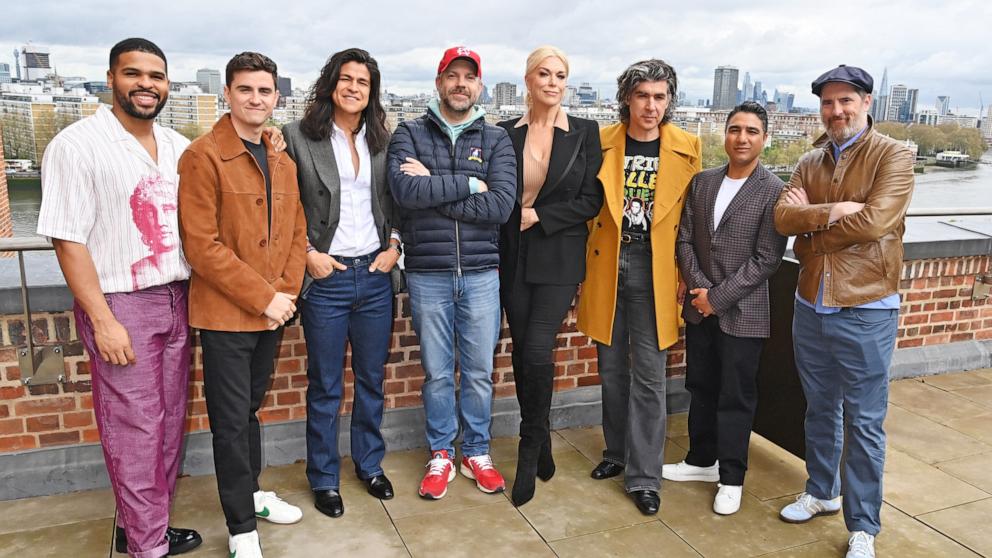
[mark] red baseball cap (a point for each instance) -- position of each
(454, 53)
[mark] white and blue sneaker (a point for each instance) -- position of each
(244, 545)
(861, 545)
(272, 508)
(807, 507)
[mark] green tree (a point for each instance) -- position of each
(894, 130)
(713, 152)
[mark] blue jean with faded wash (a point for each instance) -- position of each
(456, 315)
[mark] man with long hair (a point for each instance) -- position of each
(340, 151)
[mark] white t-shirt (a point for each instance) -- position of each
(356, 234)
(101, 188)
(728, 189)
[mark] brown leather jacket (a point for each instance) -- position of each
(237, 262)
(860, 255)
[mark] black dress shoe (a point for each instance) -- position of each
(380, 487)
(647, 501)
(180, 540)
(328, 502)
(606, 470)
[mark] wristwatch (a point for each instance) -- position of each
(396, 246)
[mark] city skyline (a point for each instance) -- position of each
(938, 49)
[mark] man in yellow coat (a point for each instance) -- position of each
(628, 302)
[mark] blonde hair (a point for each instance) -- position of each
(536, 57)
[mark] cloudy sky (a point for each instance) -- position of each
(942, 48)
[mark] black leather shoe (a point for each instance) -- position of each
(328, 502)
(606, 470)
(180, 540)
(380, 487)
(647, 501)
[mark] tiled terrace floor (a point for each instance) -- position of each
(938, 501)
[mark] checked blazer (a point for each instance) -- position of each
(735, 258)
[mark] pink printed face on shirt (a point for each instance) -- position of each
(153, 210)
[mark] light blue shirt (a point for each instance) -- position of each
(890, 302)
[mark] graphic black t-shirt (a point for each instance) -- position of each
(640, 169)
(258, 152)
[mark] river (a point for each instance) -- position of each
(937, 188)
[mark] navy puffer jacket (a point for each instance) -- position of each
(445, 227)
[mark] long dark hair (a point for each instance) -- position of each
(317, 122)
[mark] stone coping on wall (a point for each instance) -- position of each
(925, 238)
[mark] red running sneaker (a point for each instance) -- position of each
(480, 469)
(440, 471)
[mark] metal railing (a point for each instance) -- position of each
(39, 364)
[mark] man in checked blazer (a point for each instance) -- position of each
(727, 248)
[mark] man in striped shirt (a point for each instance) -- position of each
(109, 186)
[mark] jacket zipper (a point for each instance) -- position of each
(458, 242)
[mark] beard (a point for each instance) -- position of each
(456, 106)
(124, 101)
(840, 135)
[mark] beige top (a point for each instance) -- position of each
(537, 155)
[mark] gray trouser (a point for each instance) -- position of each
(632, 372)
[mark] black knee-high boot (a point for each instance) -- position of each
(534, 433)
(542, 396)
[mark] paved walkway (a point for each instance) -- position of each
(938, 501)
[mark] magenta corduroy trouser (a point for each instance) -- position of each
(140, 409)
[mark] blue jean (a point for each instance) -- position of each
(843, 361)
(456, 313)
(357, 306)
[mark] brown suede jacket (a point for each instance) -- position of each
(859, 256)
(237, 262)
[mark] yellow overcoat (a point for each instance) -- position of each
(679, 159)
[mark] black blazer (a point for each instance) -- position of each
(571, 195)
(320, 191)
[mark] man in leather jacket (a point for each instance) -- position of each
(846, 204)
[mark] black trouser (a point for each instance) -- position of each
(534, 313)
(721, 373)
(237, 367)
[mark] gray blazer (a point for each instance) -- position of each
(320, 192)
(734, 261)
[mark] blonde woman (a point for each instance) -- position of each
(543, 246)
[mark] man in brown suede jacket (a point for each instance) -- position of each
(244, 236)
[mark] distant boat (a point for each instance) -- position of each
(955, 160)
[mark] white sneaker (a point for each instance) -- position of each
(244, 545)
(728, 499)
(682, 471)
(270, 507)
(861, 545)
(807, 507)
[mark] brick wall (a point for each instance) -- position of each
(936, 303)
(937, 308)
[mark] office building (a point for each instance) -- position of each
(37, 63)
(5, 73)
(724, 87)
(190, 111)
(943, 104)
(209, 80)
(504, 93)
(897, 96)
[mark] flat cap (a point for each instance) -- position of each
(845, 74)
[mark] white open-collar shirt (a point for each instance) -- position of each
(356, 233)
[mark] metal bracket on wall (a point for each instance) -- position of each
(982, 287)
(39, 364)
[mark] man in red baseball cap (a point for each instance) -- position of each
(454, 178)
